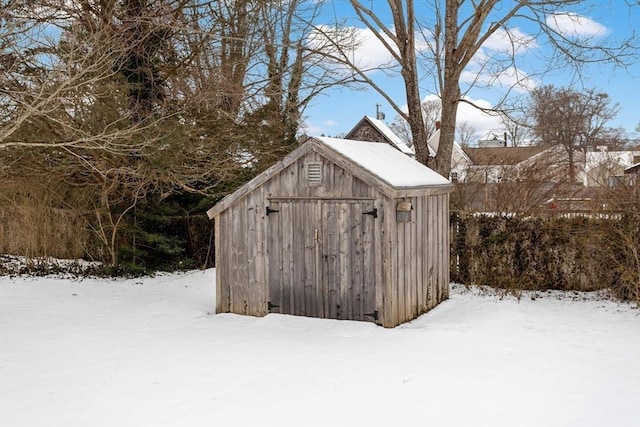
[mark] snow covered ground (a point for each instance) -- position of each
(149, 352)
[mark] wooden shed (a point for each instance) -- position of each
(338, 229)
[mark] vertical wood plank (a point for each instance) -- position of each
(232, 273)
(409, 285)
(307, 226)
(252, 241)
(357, 257)
(287, 258)
(236, 240)
(369, 271)
(441, 248)
(413, 279)
(432, 252)
(222, 281)
(274, 255)
(390, 267)
(297, 259)
(330, 245)
(419, 254)
(379, 240)
(447, 245)
(345, 279)
(319, 303)
(329, 185)
(308, 258)
(242, 258)
(426, 253)
(401, 284)
(261, 264)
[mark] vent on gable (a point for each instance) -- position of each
(314, 173)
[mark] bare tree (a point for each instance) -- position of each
(516, 120)
(576, 121)
(467, 135)
(134, 103)
(456, 35)
(431, 112)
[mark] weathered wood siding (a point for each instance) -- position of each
(248, 240)
(317, 253)
(321, 261)
(417, 267)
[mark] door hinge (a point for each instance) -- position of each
(373, 213)
(271, 306)
(270, 211)
(374, 315)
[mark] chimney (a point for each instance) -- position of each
(505, 139)
(438, 124)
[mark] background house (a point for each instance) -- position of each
(374, 130)
(604, 168)
(460, 161)
(537, 163)
(633, 174)
(494, 177)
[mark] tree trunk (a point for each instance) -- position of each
(450, 91)
(447, 129)
(416, 122)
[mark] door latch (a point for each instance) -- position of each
(374, 315)
(373, 213)
(271, 306)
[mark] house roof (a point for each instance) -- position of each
(633, 168)
(386, 133)
(381, 165)
(391, 166)
(434, 142)
(501, 155)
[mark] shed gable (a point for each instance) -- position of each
(313, 175)
(346, 167)
(338, 229)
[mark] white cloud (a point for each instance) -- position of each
(367, 52)
(509, 78)
(495, 63)
(371, 53)
(510, 41)
(482, 122)
(326, 127)
(574, 25)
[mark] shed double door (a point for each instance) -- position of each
(321, 258)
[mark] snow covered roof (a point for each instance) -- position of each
(387, 163)
(378, 164)
(633, 168)
(501, 155)
(391, 136)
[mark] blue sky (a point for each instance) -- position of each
(338, 110)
